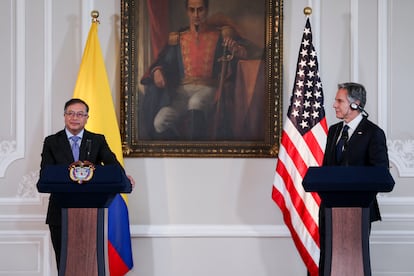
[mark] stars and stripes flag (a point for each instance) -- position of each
(92, 86)
(302, 145)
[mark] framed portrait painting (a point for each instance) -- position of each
(201, 78)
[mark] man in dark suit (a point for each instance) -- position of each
(57, 149)
(355, 141)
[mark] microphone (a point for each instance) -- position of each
(88, 148)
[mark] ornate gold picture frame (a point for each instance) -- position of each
(245, 117)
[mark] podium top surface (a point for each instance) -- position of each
(348, 178)
(106, 179)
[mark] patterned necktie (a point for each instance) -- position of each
(75, 147)
(341, 143)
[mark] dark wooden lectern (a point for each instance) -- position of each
(347, 193)
(83, 216)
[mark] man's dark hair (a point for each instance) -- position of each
(356, 92)
(75, 101)
(205, 4)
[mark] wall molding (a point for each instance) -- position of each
(401, 154)
(14, 150)
(354, 40)
(383, 54)
(386, 200)
(16, 201)
(243, 231)
(48, 65)
(203, 231)
(208, 231)
(38, 238)
(27, 185)
(218, 230)
(23, 218)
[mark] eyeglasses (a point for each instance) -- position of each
(76, 114)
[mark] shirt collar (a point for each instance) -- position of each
(68, 134)
(355, 122)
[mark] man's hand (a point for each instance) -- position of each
(234, 47)
(159, 79)
(131, 179)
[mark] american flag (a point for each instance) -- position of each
(302, 145)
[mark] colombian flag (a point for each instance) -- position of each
(93, 87)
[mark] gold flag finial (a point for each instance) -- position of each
(307, 11)
(95, 15)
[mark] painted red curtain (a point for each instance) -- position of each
(158, 19)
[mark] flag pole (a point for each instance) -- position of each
(307, 11)
(95, 15)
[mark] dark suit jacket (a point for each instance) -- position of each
(57, 151)
(366, 147)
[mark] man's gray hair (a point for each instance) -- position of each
(356, 92)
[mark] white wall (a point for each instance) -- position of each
(199, 216)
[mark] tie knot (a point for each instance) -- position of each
(75, 139)
(346, 127)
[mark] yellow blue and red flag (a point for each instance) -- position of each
(92, 86)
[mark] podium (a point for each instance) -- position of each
(83, 214)
(346, 193)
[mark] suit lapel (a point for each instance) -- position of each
(64, 145)
(360, 130)
(338, 132)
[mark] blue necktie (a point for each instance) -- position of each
(341, 143)
(75, 147)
